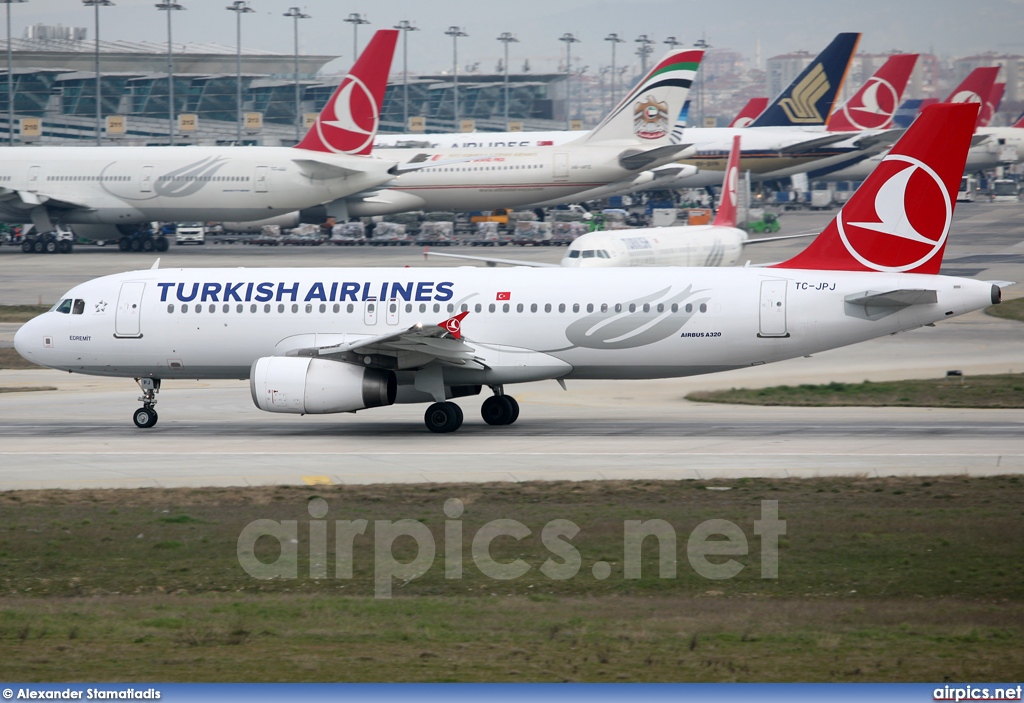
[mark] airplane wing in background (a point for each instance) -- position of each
(25, 199)
(492, 261)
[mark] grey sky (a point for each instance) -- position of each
(949, 27)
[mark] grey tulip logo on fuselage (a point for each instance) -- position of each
(189, 179)
(619, 328)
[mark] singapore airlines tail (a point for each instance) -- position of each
(809, 99)
(348, 123)
(726, 216)
(875, 104)
(649, 110)
(898, 220)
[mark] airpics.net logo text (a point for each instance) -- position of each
(711, 547)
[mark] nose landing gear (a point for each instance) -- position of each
(146, 416)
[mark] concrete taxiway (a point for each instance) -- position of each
(209, 433)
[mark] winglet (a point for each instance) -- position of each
(348, 123)
(454, 325)
(726, 216)
(898, 220)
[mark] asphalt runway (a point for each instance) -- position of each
(210, 434)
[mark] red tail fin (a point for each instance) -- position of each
(995, 98)
(1019, 124)
(726, 216)
(348, 123)
(750, 112)
(976, 87)
(875, 104)
(899, 219)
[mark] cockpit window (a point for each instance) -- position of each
(79, 307)
(588, 253)
(64, 306)
(602, 254)
(574, 254)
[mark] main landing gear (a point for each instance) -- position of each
(499, 409)
(146, 416)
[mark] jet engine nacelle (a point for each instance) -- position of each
(307, 385)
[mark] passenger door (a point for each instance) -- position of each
(127, 319)
(773, 309)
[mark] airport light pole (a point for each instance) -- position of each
(455, 32)
(643, 51)
(10, 76)
(170, 7)
(239, 7)
(296, 14)
(405, 26)
(569, 40)
(99, 92)
(506, 38)
(614, 39)
(356, 19)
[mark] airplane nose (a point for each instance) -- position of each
(21, 339)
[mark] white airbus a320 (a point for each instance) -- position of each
(341, 340)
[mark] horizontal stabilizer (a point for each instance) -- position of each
(492, 261)
(889, 136)
(894, 298)
(322, 170)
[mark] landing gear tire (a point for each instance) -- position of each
(124, 243)
(64, 247)
(161, 244)
(147, 244)
(38, 246)
(443, 417)
(500, 410)
(135, 244)
(145, 417)
(26, 246)
(51, 246)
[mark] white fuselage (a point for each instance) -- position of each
(499, 178)
(696, 245)
(126, 185)
(524, 324)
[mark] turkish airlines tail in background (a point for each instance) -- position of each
(726, 216)
(649, 110)
(808, 100)
(1019, 124)
(995, 99)
(750, 112)
(348, 123)
(899, 218)
(875, 104)
(975, 88)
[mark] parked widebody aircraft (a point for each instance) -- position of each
(633, 138)
(771, 151)
(342, 340)
(719, 244)
(98, 189)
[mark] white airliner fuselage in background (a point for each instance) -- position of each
(112, 185)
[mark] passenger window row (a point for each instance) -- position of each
(423, 307)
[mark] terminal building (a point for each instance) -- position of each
(54, 94)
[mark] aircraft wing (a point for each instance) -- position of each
(886, 138)
(420, 162)
(810, 144)
(762, 240)
(29, 199)
(491, 261)
(634, 159)
(412, 348)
